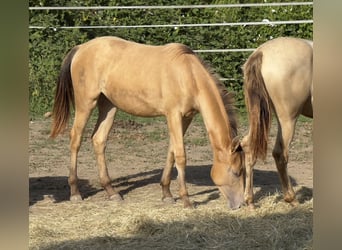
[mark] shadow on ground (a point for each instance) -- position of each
(57, 186)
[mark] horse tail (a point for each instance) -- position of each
(64, 96)
(258, 106)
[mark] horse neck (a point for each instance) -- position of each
(215, 117)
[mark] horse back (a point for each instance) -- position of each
(139, 79)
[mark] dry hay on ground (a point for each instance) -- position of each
(136, 158)
(149, 224)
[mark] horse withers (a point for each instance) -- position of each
(278, 77)
(144, 80)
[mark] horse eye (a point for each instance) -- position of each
(237, 173)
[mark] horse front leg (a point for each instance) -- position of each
(249, 164)
(249, 194)
(102, 128)
(175, 126)
(166, 176)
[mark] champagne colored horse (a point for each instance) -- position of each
(278, 76)
(171, 81)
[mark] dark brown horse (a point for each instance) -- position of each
(278, 77)
(171, 81)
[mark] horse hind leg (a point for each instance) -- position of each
(99, 137)
(81, 117)
(281, 156)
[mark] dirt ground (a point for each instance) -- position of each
(136, 154)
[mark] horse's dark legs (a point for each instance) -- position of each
(176, 153)
(286, 128)
(104, 124)
(81, 118)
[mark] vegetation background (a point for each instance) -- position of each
(49, 45)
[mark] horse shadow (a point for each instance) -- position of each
(266, 181)
(57, 186)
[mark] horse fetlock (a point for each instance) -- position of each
(187, 203)
(290, 197)
(249, 199)
(294, 203)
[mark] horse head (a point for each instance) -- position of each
(228, 173)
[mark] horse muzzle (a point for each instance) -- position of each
(234, 198)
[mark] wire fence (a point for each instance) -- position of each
(170, 6)
(175, 26)
(263, 22)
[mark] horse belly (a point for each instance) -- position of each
(138, 103)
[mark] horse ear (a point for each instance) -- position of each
(236, 146)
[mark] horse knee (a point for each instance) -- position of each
(180, 160)
(99, 145)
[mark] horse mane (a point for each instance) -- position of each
(176, 50)
(227, 98)
(228, 101)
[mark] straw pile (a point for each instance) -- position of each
(148, 224)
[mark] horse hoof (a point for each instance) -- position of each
(251, 207)
(294, 203)
(169, 200)
(116, 198)
(75, 198)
